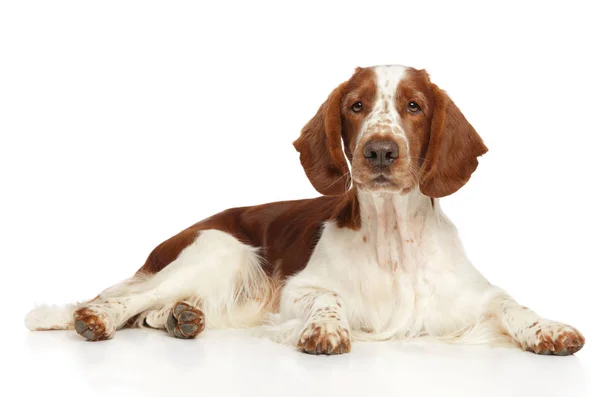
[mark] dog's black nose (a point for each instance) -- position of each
(381, 153)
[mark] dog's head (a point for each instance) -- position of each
(399, 131)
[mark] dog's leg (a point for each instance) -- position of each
(216, 269)
(182, 319)
(534, 333)
(101, 317)
(326, 329)
(57, 317)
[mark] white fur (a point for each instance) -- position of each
(46, 317)
(403, 275)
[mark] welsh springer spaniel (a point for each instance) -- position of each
(374, 258)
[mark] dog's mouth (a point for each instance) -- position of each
(383, 183)
(381, 179)
(380, 182)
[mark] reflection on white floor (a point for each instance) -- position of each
(228, 363)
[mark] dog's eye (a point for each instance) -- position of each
(413, 107)
(356, 107)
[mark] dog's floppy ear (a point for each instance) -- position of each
(453, 148)
(320, 147)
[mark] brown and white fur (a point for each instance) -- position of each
(373, 258)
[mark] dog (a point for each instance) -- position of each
(373, 258)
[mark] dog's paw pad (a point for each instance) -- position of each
(185, 321)
(93, 325)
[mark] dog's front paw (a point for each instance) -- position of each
(93, 324)
(324, 337)
(552, 338)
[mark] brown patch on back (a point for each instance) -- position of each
(169, 250)
(285, 231)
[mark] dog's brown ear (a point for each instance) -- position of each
(320, 147)
(453, 148)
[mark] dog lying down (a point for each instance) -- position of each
(374, 258)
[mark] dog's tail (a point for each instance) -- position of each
(46, 317)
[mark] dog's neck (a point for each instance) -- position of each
(394, 223)
(387, 210)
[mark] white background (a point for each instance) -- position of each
(124, 122)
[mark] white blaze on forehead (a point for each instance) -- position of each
(384, 117)
(388, 78)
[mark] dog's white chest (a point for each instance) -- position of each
(396, 276)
